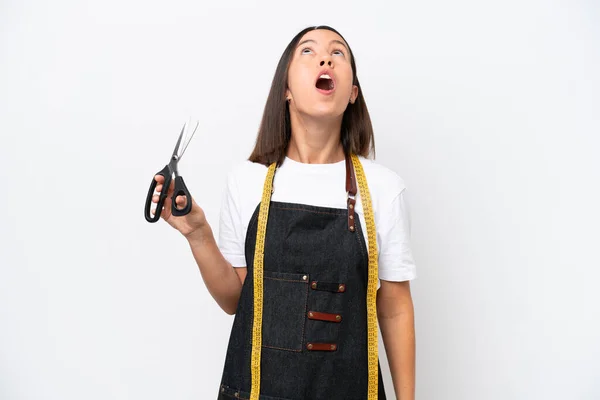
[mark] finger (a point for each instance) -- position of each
(160, 188)
(159, 178)
(155, 198)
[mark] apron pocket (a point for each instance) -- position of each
(284, 310)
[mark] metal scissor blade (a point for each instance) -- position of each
(188, 140)
(176, 150)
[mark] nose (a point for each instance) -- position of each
(328, 61)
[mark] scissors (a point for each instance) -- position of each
(168, 172)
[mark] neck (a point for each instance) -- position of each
(315, 141)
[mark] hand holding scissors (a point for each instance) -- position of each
(168, 172)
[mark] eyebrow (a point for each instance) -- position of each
(333, 41)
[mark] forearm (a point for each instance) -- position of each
(398, 333)
(220, 279)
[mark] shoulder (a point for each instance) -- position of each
(383, 181)
(245, 181)
(245, 174)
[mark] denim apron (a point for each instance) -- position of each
(314, 335)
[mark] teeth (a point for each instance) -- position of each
(325, 76)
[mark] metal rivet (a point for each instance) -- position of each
(351, 206)
(309, 346)
(338, 317)
(222, 390)
(352, 217)
(342, 288)
(333, 347)
(351, 228)
(236, 394)
(310, 314)
(304, 277)
(314, 285)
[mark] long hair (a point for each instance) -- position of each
(275, 129)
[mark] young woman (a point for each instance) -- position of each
(313, 246)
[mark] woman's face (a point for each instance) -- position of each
(320, 75)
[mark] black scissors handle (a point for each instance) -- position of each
(165, 173)
(179, 190)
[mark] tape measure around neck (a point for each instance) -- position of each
(372, 343)
(258, 274)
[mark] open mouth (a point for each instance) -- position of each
(325, 83)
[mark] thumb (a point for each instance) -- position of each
(180, 202)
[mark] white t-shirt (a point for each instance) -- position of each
(321, 185)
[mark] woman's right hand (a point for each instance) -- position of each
(189, 225)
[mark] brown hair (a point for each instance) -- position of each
(275, 128)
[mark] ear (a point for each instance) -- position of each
(354, 94)
(288, 95)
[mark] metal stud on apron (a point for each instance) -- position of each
(306, 322)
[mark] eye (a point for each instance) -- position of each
(306, 50)
(338, 53)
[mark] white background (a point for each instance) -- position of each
(488, 110)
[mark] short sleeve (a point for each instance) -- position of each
(395, 256)
(231, 232)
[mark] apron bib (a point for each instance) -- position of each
(314, 341)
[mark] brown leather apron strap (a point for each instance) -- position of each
(323, 316)
(328, 286)
(351, 191)
(321, 346)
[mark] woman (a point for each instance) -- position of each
(294, 262)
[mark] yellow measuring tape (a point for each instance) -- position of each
(259, 259)
(372, 343)
(259, 251)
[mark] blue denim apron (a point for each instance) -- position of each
(314, 342)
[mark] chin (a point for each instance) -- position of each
(326, 111)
